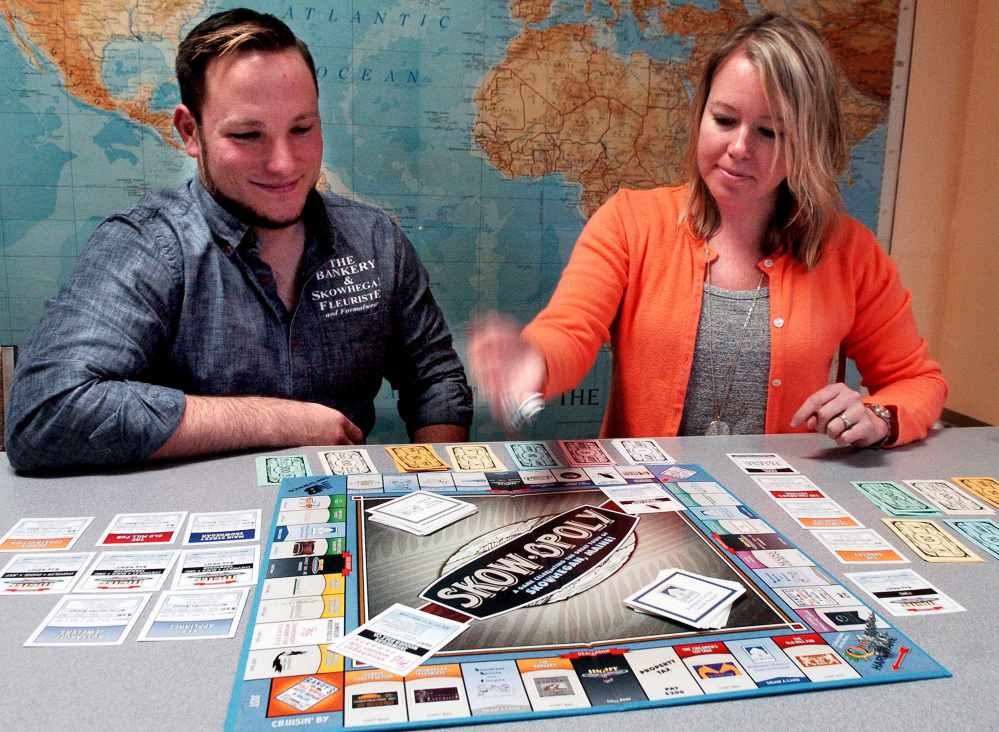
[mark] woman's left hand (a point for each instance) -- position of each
(839, 412)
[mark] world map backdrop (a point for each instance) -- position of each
(489, 129)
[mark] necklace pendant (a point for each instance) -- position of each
(717, 427)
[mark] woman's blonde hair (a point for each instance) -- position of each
(800, 80)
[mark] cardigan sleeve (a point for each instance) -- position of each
(892, 357)
(577, 320)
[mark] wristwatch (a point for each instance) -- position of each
(884, 414)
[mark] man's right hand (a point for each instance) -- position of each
(213, 425)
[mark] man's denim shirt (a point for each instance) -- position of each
(171, 297)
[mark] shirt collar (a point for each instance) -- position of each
(228, 231)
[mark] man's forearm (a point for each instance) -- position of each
(441, 433)
(213, 425)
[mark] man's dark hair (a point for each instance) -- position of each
(232, 31)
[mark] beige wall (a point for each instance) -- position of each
(946, 234)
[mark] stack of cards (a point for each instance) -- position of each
(688, 598)
(421, 512)
(894, 499)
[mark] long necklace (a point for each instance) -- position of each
(719, 426)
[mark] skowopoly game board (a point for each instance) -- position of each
(540, 573)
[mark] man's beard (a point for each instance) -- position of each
(240, 210)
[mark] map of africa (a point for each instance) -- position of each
(490, 129)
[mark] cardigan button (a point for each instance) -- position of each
(779, 322)
(768, 263)
(776, 382)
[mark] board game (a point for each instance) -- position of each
(546, 576)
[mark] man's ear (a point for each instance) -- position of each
(187, 126)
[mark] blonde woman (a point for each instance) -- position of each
(726, 300)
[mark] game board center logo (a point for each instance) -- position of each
(542, 560)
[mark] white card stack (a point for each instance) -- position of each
(688, 598)
(421, 512)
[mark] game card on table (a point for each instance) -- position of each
(903, 592)
(398, 639)
(416, 458)
(44, 534)
(582, 453)
(272, 469)
(143, 528)
(43, 573)
(929, 541)
(859, 546)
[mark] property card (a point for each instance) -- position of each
(275, 663)
(364, 484)
(348, 461)
(859, 546)
(44, 534)
(537, 478)
(894, 499)
(295, 633)
(583, 453)
(532, 455)
(714, 667)
(810, 513)
(89, 620)
(143, 528)
(983, 532)
(373, 696)
(436, 481)
(903, 592)
(761, 463)
(985, 488)
(815, 657)
(636, 474)
(605, 476)
(551, 684)
(199, 615)
(128, 572)
(494, 687)
(642, 498)
(474, 458)
(792, 577)
(272, 469)
(403, 482)
(638, 452)
(308, 694)
(217, 567)
(399, 639)
(929, 541)
(223, 527)
(662, 674)
(416, 458)
(789, 487)
(54, 574)
(436, 692)
(607, 679)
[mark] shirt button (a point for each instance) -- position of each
(768, 263)
(228, 249)
(776, 382)
(265, 279)
(294, 343)
(779, 322)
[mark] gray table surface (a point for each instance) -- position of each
(186, 686)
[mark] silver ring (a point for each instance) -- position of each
(846, 421)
